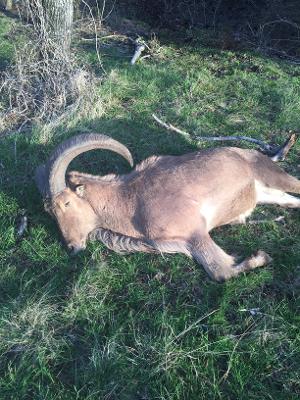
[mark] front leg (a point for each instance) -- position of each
(219, 265)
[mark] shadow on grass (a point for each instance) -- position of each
(41, 250)
(136, 304)
(21, 155)
(38, 266)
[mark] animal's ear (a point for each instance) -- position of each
(73, 179)
(80, 189)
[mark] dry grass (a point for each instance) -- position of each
(45, 82)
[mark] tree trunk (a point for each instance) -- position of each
(6, 4)
(59, 19)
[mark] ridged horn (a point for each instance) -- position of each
(50, 177)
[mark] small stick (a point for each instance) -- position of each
(265, 221)
(170, 127)
(138, 51)
(266, 147)
(22, 226)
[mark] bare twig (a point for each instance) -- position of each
(252, 311)
(261, 37)
(95, 30)
(266, 221)
(140, 47)
(22, 226)
(44, 83)
(172, 127)
(264, 146)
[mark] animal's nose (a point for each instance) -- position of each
(70, 247)
(74, 249)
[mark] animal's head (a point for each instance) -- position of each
(68, 205)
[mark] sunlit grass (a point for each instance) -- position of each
(102, 326)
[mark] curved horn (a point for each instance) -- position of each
(62, 156)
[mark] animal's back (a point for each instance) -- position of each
(204, 167)
(175, 194)
(180, 190)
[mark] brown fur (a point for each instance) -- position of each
(171, 203)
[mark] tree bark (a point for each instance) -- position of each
(8, 5)
(59, 20)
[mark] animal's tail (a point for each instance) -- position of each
(267, 172)
(272, 176)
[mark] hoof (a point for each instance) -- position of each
(262, 258)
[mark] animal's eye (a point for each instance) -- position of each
(67, 204)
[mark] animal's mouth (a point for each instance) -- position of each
(74, 250)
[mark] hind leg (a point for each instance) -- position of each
(219, 265)
(266, 195)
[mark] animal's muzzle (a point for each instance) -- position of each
(74, 249)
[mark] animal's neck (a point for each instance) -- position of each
(111, 205)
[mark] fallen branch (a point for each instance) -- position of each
(171, 127)
(269, 149)
(140, 47)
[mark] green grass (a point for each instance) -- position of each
(102, 326)
(7, 47)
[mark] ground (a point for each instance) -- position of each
(104, 326)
